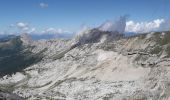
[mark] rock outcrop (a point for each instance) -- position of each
(125, 68)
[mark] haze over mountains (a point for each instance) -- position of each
(99, 63)
(120, 24)
(80, 50)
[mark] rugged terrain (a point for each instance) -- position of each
(95, 65)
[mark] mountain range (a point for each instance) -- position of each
(93, 65)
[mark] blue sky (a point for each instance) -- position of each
(71, 14)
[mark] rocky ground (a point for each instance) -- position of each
(125, 68)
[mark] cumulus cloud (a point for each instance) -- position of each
(82, 29)
(53, 31)
(22, 26)
(117, 25)
(142, 27)
(6, 32)
(25, 28)
(165, 26)
(17, 28)
(121, 25)
(31, 30)
(43, 5)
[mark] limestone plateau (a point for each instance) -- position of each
(95, 65)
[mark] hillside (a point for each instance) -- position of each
(14, 56)
(95, 65)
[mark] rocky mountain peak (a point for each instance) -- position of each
(26, 38)
(96, 35)
(126, 68)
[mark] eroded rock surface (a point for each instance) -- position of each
(130, 68)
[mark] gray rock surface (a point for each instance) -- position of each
(130, 68)
(9, 96)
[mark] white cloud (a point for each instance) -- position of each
(31, 30)
(165, 26)
(7, 33)
(117, 25)
(53, 31)
(82, 29)
(142, 27)
(23, 26)
(121, 25)
(43, 5)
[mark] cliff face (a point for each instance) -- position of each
(125, 68)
